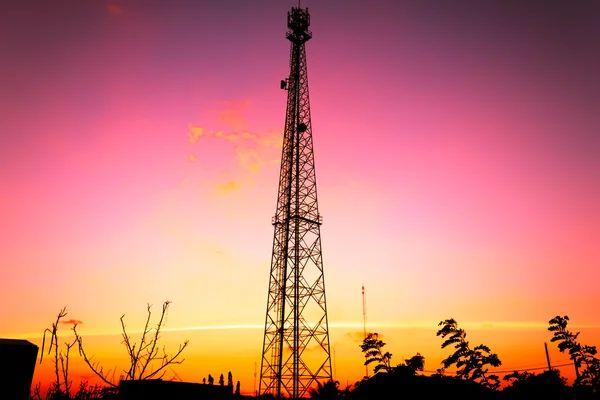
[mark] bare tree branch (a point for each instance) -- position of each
(96, 368)
(142, 357)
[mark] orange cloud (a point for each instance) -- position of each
(227, 187)
(233, 119)
(231, 114)
(72, 322)
(249, 159)
(114, 9)
(249, 151)
(195, 133)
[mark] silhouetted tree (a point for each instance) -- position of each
(61, 387)
(372, 347)
(237, 388)
(416, 363)
(582, 355)
(145, 360)
(527, 385)
(516, 377)
(470, 363)
(410, 366)
(229, 379)
(327, 390)
(211, 380)
(221, 380)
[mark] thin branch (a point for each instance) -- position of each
(169, 361)
(130, 349)
(143, 345)
(152, 353)
(94, 367)
(54, 344)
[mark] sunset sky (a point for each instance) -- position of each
(457, 160)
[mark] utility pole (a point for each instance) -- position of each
(547, 356)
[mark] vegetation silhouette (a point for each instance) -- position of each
(145, 362)
(471, 364)
(472, 378)
(325, 391)
(525, 385)
(583, 356)
(61, 387)
(372, 346)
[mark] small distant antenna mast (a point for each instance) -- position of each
(334, 366)
(364, 301)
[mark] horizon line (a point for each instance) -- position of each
(485, 325)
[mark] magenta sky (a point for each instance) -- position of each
(456, 152)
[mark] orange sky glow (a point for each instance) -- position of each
(456, 154)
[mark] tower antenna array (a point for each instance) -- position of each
(296, 352)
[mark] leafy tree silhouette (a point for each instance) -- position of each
(372, 347)
(470, 363)
(546, 385)
(516, 377)
(411, 366)
(325, 391)
(582, 355)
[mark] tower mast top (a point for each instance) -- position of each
(298, 23)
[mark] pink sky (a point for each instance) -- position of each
(456, 153)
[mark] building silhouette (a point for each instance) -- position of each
(17, 365)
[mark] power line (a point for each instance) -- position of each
(509, 370)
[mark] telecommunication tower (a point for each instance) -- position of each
(296, 350)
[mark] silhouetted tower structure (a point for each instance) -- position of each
(296, 343)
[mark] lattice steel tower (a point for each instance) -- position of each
(296, 343)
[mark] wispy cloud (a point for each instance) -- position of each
(231, 114)
(248, 159)
(72, 322)
(195, 133)
(250, 149)
(228, 187)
